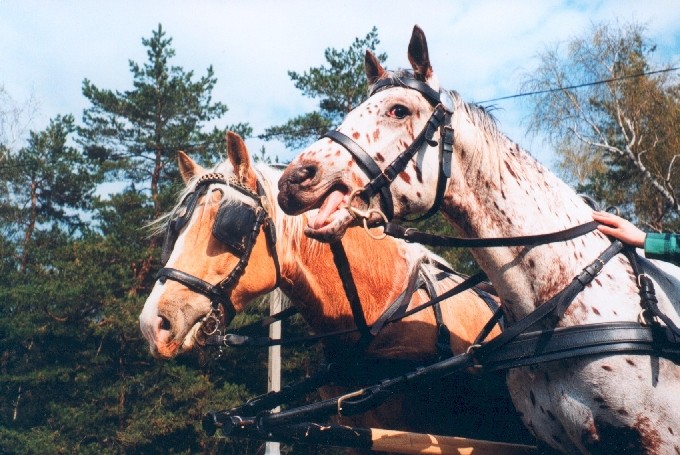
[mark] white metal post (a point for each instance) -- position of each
(274, 364)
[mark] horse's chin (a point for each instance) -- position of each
(171, 348)
(190, 340)
(334, 229)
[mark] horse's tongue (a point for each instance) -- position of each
(329, 206)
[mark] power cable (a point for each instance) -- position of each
(587, 84)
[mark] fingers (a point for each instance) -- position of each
(607, 218)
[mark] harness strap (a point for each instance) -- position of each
(496, 318)
(267, 321)
(342, 264)
(443, 343)
(268, 226)
(246, 341)
(567, 342)
(428, 92)
(418, 279)
(291, 391)
(437, 118)
(648, 298)
(557, 304)
(416, 236)
(402, 301)
(240, 268)
(445, 150)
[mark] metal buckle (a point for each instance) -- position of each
(646, 318)
(639, 283)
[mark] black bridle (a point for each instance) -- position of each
(222, 309)
(439, 121)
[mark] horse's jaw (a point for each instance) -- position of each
(333, 228)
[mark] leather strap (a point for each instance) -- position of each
(342, 264)
(557, 304)
(367, 164)
(416, 236)
(200, 286)
(428, 92)
(648, 298)
(567, 342)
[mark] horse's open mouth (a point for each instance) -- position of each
(335, 201)
(333, 217)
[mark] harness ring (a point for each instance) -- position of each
(211, 324)
(348, 396)
(472, 348)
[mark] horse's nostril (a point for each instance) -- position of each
(303, 173)
(165, 324)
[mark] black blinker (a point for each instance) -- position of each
(233, 226)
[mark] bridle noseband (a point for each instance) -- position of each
(439, 120)
(219, 294)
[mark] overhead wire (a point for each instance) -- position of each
(267, 137)
(586, 84)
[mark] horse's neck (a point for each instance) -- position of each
(311, 279)
(506, 193)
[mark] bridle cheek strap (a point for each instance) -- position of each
(368, 165)
(381, 180)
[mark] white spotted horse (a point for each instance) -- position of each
(228, 230)
(413, 147)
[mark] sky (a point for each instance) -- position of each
(479, 48)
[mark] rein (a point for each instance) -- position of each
(220, 293)
(394, 313)
(414, 235)
(514, 347)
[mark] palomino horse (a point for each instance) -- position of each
(208, 247)
(412, 133)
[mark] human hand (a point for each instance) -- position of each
(620, 228)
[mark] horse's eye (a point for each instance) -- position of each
(398, 111)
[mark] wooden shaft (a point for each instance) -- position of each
(417, 443)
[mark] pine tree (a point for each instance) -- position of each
(340, 87)
(135, 135)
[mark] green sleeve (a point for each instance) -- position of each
(665, 247)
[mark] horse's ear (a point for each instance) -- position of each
(188, 167)
(418, 55)
(374, 69)
(240, 160)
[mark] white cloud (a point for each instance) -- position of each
(477, 47)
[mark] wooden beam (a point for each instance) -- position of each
(418, 443)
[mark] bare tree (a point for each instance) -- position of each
(15, 120)
(614, 120)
